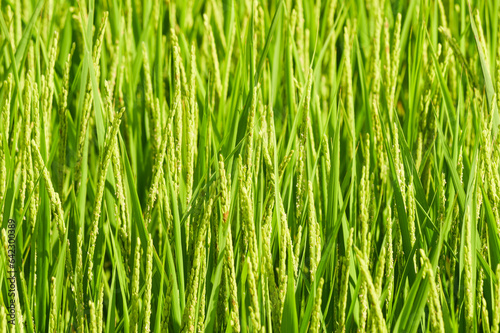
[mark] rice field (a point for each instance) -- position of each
(249, 166)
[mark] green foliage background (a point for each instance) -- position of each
(291, 166)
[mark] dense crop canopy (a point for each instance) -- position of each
(249, 166)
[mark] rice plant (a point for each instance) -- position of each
(249, 166)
